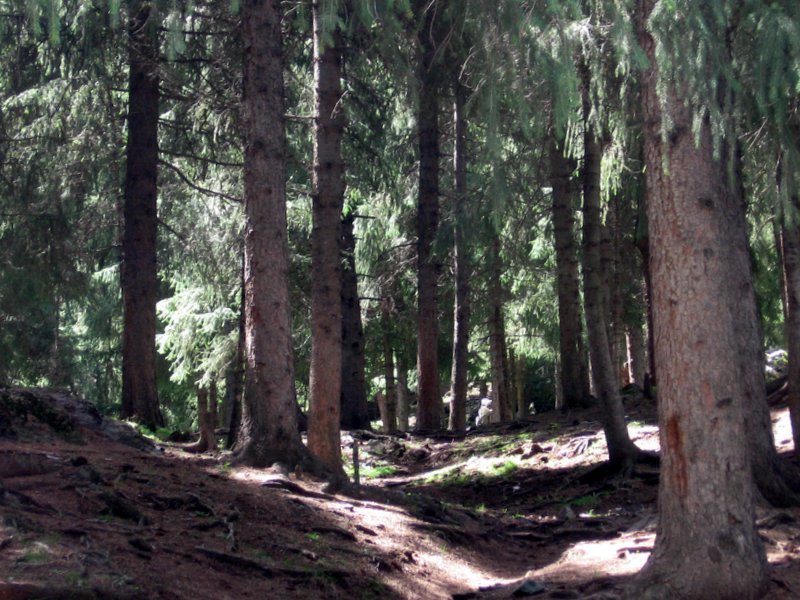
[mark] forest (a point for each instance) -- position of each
(294, 227)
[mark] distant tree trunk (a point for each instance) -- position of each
(707, 545)
(501, 402)
(269, 431)
(403, 399)
(622, 453)
(139, 274)
(388, 407)
(206, 419)
(355, 413)
(458, 378)
(574, 380)
(643, 243)
(234, 379)
(636, 355)
(789, 246)
(429, 400)
(522, 410)
(324, 440)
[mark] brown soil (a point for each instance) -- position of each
(501, 510)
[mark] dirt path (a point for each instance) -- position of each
(499, 511)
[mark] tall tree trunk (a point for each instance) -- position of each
(622, 453)
(139, 275)
(458, 377)
(269, 431)
(429, 401)
(634, 338)
(324, 440)
(234, 378)
(707, 544)
(388, 406)
(643, 244)
(573, 380)
(355, 413)
(403, 394)
(206, 419)
(790, 244)
(501, 402)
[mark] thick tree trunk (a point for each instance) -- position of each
(324, 440)
(269, 431)
(622, 453)
(355, 413)
(501, 402)
(139, 275)
(429, 401)
(573, 380)
(458, 377)
(388, 406)
(707, 544)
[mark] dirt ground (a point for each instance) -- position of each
(501, 512)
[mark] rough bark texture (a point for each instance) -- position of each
(501, 401)
(622, 452)
(458, 378)
(429, 401)
(324, 440)
(355, 413)
(707, 544)
(573, 380)
(269, 431)
(139, 275)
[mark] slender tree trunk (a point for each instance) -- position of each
(429, 401)
(269, 431)
(707, 544)
(458, 378)
(403, 399)
(234, 379)
(501, 402)
(622, 453)
(573, 380)
(355, 413)
(790, 244)
(324, 440)
(139, 273)
(389, 405)
(636, 355)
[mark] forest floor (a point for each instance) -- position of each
(505, 511)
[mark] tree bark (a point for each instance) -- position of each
(429, 401)
(458, 378)
(403, 395)
(707, 544)
(622, 453)
(501, 402)
(388, 407)
(324, 440)
(355, 413)
(234, 379)
(574, 381)
(269, 431)
(139, 273)
(789, 248)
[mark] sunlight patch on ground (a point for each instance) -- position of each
(625, 555)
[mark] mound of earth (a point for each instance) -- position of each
(90, 509)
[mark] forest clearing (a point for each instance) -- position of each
(505, 511)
